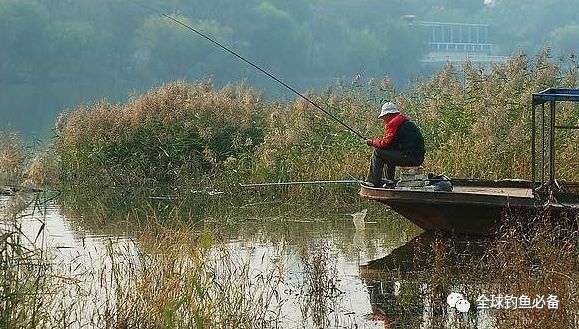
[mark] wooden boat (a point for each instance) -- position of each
(471, 207)
(476, 206)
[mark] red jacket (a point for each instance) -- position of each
(390, 129)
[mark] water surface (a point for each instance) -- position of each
(321, 249)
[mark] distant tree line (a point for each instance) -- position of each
(300, 40)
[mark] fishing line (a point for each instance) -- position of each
(188, 27)
(344, 181)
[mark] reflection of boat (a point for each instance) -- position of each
(400, 284)
(418, 255)
(475, 206)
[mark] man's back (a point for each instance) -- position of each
(409, 140)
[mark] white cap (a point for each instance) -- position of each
(388, 108)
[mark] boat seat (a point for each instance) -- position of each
(411, 176)
(412, 170)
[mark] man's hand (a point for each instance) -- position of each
(369, 142)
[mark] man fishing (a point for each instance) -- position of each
(402, 145)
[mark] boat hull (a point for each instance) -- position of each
(464, 210)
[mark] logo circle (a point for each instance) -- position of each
(453, 298)
(462, 305)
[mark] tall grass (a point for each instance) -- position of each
(320, 283)
(180, 283)
(538, 258)
(12, 160)
(171, 136)
(531, 256)
(23, 167)
(167, 279)
(24, 268)
(477, 123)
(181, 137)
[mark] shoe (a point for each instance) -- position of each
(368, 183)
(389, 184)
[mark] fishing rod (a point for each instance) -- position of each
(184, 25)
(351, 181)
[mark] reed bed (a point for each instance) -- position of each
(188, 143)
(24, 267)
(168, 279)
(183, 137)
(179, 283)
(12, 160)
(320, 284)
(25, 168)
(178, 277)
(538, 258)
(176, 134)
(530, 255)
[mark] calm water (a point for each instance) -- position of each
(360, 296)
(31, 109)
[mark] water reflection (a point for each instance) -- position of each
(320, 253)
(409, 287)
(336, 274)
(384, 275)
(333, 273)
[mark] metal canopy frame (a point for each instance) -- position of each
(546, 136)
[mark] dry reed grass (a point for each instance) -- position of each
(177, 132)
(43, 171)
(538, 258)
(24, 267)
(12, 160)
(476, 122)
(180, 283)
(182, 137)
(320, 283)
(171, 279)
(530, 255)
(25, 168)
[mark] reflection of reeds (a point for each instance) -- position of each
(319, 290)
(181, 279)
(181, 284)
(177, 279)
(530, 255)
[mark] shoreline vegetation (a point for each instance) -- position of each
(177, 154)
(185, 138)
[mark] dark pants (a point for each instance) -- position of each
(390, 158)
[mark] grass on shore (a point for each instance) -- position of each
(183, 137)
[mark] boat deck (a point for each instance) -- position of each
(473, 206)
(502, 191)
